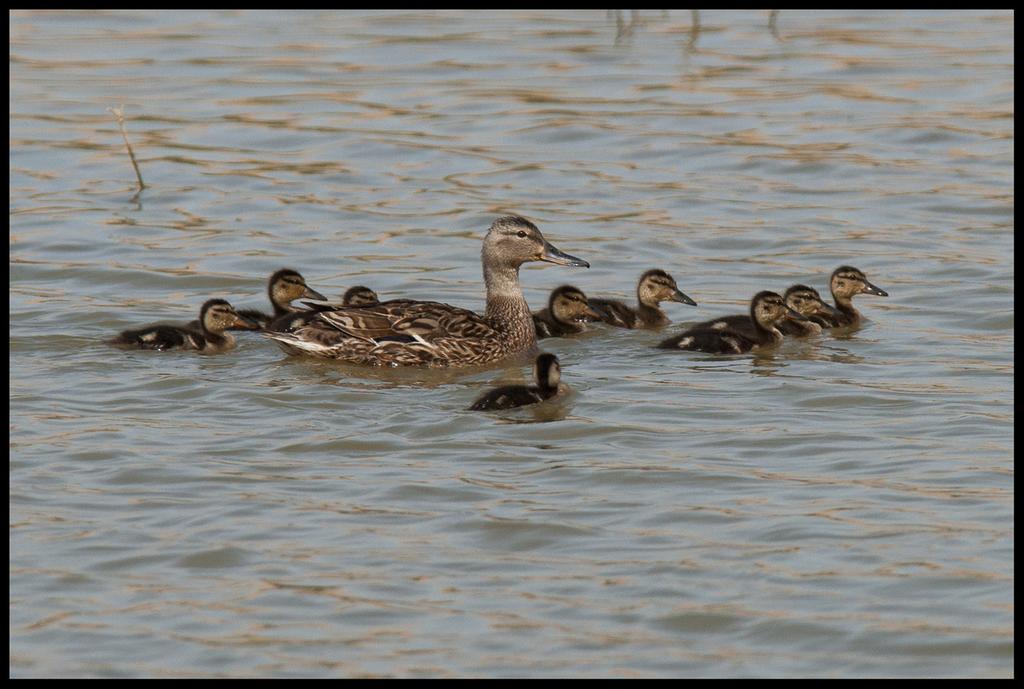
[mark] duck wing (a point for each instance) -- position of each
(161, 336)
(788, 326)
(260, 318)
(544, 324)
(739, 323)
(700, 339)
(506, 397)
(406, 319)
(397, 332)
(614, 312)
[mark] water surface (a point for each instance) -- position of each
(842, 506)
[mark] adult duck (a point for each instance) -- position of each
(406, 332)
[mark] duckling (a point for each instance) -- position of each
(354, 296)
(739, 333)
(215, 316)
(654, 287)
(566, 314)
(548, 374)
(284, 287)
(359, 296)
(845, 283)
(806, 301)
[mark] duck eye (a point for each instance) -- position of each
(521, 233)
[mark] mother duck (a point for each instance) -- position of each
(406, 332)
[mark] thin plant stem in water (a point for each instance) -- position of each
(694, 29)
(119, 114)
(773, 18)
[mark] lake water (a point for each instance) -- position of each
(841, 506)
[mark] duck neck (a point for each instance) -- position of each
(845, 306)
(279, 308)
(544, 386)
(548, 392)
(651, 314)
(506, 307)
(767, 331)
(216, 338)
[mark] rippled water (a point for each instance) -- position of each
(842, 506)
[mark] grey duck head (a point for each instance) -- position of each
(513, 241)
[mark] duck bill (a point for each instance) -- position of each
(595, 312)
(246, 323)
(795, 315)
(826, 310)
(552, 254)
(871, 289)
(682, 298)
(311, 293)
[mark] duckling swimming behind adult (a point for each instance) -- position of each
(284, 287)
(654, 287)
(359, 296)
(354, 296)
(566, 314)
(548, 374)
(807, 302)
(208, 336)
(846, 282)
(739, 333)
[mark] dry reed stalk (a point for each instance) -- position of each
(119, 114)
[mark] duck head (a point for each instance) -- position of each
(656, 286)
(286, 285)
(360, 296)
(847, 281)
(807, 302)
(768, 308)
(217, 315)
(569, 305)
(547, 371)
(513, 241)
